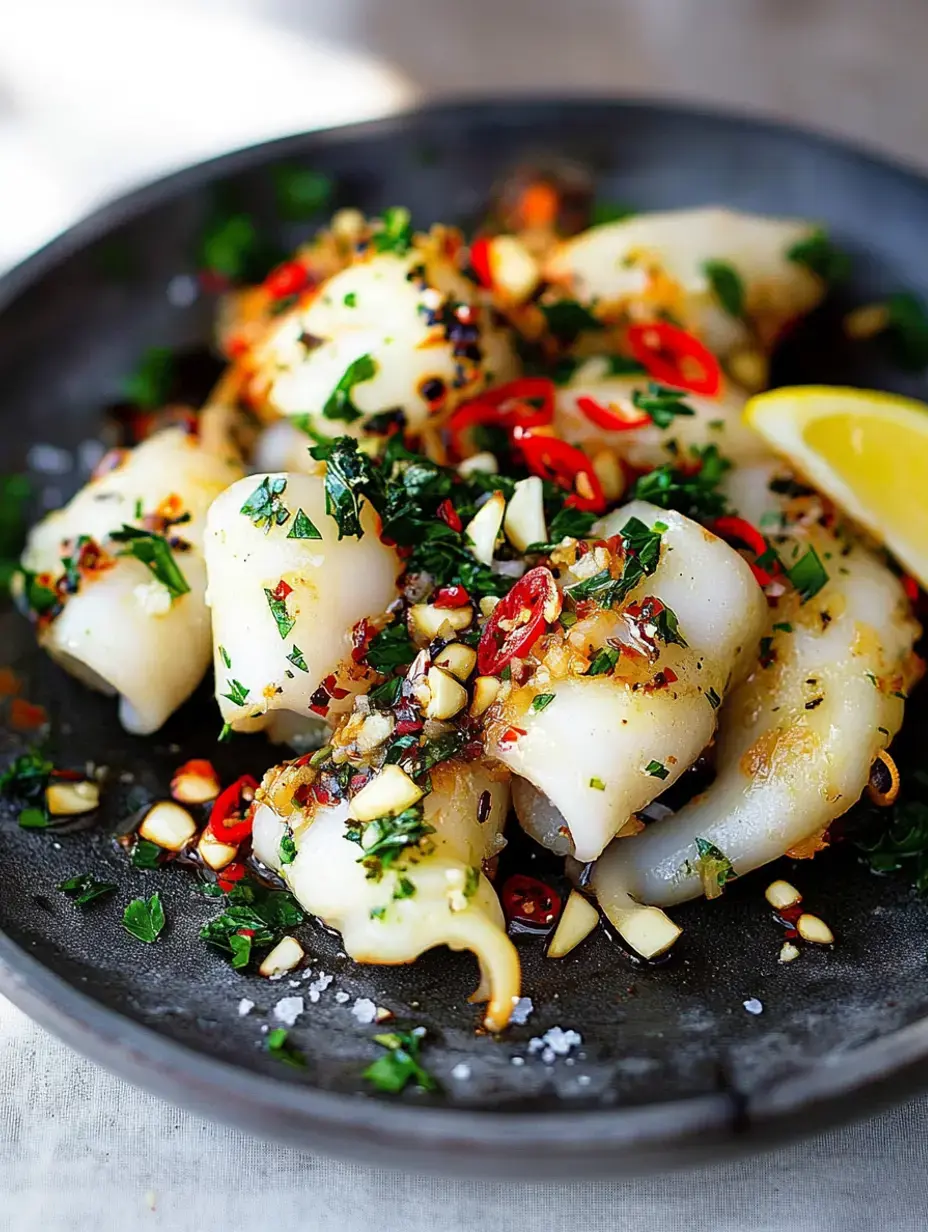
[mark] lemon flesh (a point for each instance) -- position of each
(868, 451)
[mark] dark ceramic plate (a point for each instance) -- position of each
(672, 1067)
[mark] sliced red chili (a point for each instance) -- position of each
(287, 279)
(231, 819)
(480, 260)
(910, 586)
(449, 515)
(609, 418)
(674, 357)
(530, 903)
(451, 596)
(742, 533)
(526, 403)
(232, 873)
(518, 620)
(569, 467)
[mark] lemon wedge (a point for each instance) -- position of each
(868, 451)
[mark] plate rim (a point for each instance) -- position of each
(560, 1143)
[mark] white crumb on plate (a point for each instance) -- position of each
(319, 985)
(521, 1010)
(461, 1071)
(245, 1007)
(753, 1006)
(288, 1010)
(555, 1043)
(364, 1010)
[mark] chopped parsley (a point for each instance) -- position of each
(303, 528)
(264, 507)
(255, 914)
(642, 556)
(237, 693)
(567, 318)
(604, 662)
(695, 494)
(567, 523)
(385, 839)
(339, 404)
(296, 658)
(783, 626)
(299, 192)
(668, 627)
(808, 574)
(145, 854)
(350, 477)
(390, 648)
(144, 918)
(662, 404)
(657, 770)
(287, 850)
(15, 491)
(714, 868)
(34, 818)
(597, 784)
(84, 889)
(277, 602)
(149, 387)
(385, 696)
(400, 1064)
(350, 300)
(396, 233)
(817, 253)
(541, 702)
(471, 881)
(25, 780)
(727, 286)
(224, 655)
(282, 1050)
(155, 553)
(405, 888)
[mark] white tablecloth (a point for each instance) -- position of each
(127, 87)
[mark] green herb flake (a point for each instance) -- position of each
(817, 253)
(144, 918)
(224, 655)
(377, 913)
(150, 385)
(278, 607)
(714, 867)
(695, 494)
(783, 626)
(603, 663)
(15, 491)
(668, 627)
(400, 1065)
(661, 403)
(541, 702)
(405, 888)
(146, 854)
(657, 770)
(33, 819)
(300, 193)
(392, 647)
(156, 555)
(471, 881)
(261, 915)
(225, 733)
(84, 889)
(350, 300)
(279, 1047)
(597, 784)
(604, 212)
(296, 658)
(395, 234)
(229, 245)
(350, 478)
(303, 528)
(567, 319)
(727, 286)
(287, 849)
(339, 404)
(808, 575)
(385, 840)
(264, 508)
(237, 693)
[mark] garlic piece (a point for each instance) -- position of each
(195, 782)
(168, 825)
(486, 689)
(781, 895)
(387, 794)
(811, 928)
(286, 954)
(577, 921)
(213, 852)
(457, 659)
(68, 799)
(447, 695)
(524, 522)
(426, 621)
(482, 530)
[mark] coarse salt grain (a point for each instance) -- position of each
(245, 1007)
(555, 1043)
(753, 1006)
(461, 1071)
(319, 985)
(518, 1061)
(341, 997)
(522, 1007)
(288, 1010)
(364, 1010)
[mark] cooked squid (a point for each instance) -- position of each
(653, 263)
(399, 334)
(714, 421)
(607, 744)
(119, 625)
(435, 893)
(797, 738)
(285, 595)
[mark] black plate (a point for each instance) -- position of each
(672, 1066)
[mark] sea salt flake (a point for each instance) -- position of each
(522, 1007)
(288, 1010)
(245, 1007)
(555, 1043)
(461, 1071)
(517, 1061)
(319, 985)
(364, 1010)
(341, 997)
(753, 1006)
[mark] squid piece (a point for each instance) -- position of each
(657, 262)
(797, 738)
(106, 616)
(434, 894)
(715, 421)
(608, 744)
(286, 594)
(393, 333)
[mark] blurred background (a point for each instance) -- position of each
(99, 95)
